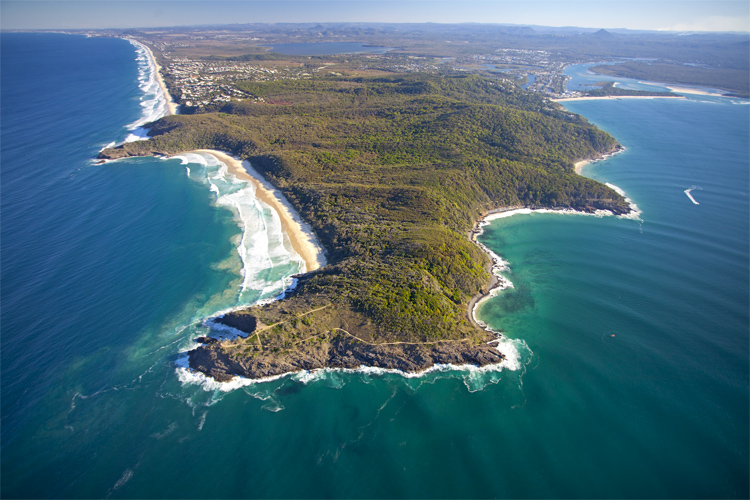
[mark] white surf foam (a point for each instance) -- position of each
(186, 158)
(190, 377)
(635, 212)
(267, 257)
(304, 227)
(499, 266)
(528, 211)
(126, 476)
(221, 331)
(515, 351)
(153, 101)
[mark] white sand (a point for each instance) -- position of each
(171, 106)
(689, 90)
(301, 238)
(580, 164)
(614, 97)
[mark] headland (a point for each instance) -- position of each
(391, 174)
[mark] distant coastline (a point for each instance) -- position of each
(678, 91)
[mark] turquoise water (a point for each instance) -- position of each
(581, 79)
(109, 270)
(640, 328)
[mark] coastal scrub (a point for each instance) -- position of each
(391, 173)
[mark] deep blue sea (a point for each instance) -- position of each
(629, 338)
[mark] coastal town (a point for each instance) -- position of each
(197, 84)
(206, 82)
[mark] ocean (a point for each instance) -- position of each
(628, 339)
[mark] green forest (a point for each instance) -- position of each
(392, 174)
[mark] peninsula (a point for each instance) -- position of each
(392, 173)
(391, 159)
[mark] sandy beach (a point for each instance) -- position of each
(614, 98)
(300, 237)
(171, 106)
(694, 91)
(580, 164)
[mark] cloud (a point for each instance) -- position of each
(714, 23)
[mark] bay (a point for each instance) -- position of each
(640, 328)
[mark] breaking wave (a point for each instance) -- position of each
(153, 101)
(268, 260)
(517, 355)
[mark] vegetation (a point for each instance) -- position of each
(609, 89)
(392, 173)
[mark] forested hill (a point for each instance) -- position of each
(392, 173)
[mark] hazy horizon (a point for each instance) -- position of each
(658, 15)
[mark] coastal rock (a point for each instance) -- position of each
(215, 362)
(241, 320)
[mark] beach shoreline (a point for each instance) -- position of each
(615, 98)
(300, 237)
(693, 91)
(498, 282)
(580, 164)
(171, 106)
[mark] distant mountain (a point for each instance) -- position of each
(604, 34)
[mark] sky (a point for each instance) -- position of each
(673, 15)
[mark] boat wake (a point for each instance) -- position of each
(693, 188)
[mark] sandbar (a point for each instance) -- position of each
(694, 91)
(300, 237)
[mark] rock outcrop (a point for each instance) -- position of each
(215, 362)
